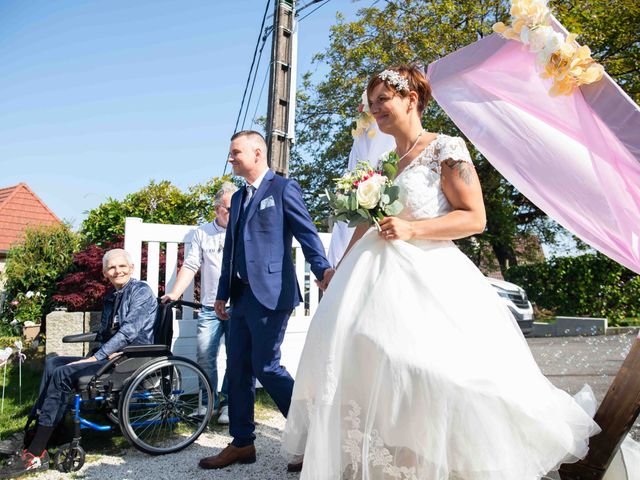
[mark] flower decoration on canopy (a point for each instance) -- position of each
(364, 119)
(568, 64)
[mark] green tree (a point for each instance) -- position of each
(405, 31)
(158, 202)
(32, 269)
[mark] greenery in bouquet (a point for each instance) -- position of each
(366, 195)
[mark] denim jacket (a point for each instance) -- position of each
(135, 318)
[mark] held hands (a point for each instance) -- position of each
(220, 307)
(328, 275)
(394, 228)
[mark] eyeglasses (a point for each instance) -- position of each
(228, 209)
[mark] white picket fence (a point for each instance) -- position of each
(137, 233)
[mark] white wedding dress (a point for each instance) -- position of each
(414, 369)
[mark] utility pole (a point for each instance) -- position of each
(282, 90)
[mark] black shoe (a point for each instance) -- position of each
(25, 462)
(13, 444)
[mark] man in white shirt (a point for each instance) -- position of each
(206, 255)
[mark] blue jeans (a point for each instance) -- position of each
(210, 331)
(58, 380)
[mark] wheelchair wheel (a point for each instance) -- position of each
(166, 406)
(69, 458)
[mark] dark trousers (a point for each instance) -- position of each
(255, 336)
(58, 381)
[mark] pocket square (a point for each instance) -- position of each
(267, 202)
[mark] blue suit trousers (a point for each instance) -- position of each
(255, 336)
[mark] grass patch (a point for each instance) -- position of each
(265, 407)
(15, 413)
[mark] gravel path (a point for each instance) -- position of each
(130, 464)
(568, 362)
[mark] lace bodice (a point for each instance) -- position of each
(420, 188)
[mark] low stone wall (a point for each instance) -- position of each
(60, 324)
(571, 327)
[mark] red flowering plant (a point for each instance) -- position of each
(366, 195)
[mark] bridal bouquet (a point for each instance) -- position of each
(366, 195)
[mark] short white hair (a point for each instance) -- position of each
(225, 188)
(116, 252)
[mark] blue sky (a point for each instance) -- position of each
(99, 97)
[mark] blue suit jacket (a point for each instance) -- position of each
(277, 214)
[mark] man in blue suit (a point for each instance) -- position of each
(258, 276)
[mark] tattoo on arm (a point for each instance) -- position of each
(464, 169)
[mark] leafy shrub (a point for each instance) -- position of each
(156, 203)
(32, 269)
(587, 285)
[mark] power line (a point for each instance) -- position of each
(255, 75)
(244, 95)
(315, 9)
(255, 113)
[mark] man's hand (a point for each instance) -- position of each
(220, 308)
(326, 278)
(85, 360)
(169, 297)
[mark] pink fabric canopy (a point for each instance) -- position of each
(576, 157)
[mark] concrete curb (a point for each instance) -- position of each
(571, 327)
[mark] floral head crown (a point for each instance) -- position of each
(393, 78)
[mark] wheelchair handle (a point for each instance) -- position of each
(178, 303)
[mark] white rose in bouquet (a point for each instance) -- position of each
(370, 190)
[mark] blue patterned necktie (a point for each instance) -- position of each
(250, 191)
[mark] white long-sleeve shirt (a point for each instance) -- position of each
(206, 255)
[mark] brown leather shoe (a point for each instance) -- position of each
(229, 456)
(294, 467)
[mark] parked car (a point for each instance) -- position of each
(517, 301)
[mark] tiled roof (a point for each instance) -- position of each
(19, 208)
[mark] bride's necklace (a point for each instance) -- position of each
(412, 146)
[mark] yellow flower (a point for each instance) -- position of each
(583, 52)
(511, 34)
(516, 9)
(499, 27)
(518, 24)
(564, 87)
(592, 74)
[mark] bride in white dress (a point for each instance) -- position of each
(413, 368)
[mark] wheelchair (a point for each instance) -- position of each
(161, 402)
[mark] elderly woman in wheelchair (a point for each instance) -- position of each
(132, 377)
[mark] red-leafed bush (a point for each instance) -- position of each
(84, 288)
